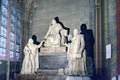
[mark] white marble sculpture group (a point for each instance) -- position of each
(55, 38)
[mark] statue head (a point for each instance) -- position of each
(54, 22)
(75, 32)
(30, 42)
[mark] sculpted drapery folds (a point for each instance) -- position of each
(55, 36)
(30, 61)
(77, 55)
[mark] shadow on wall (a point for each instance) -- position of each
(58, 21)
(34, 37)
(89, 40)
(66, 28)
(89, 47)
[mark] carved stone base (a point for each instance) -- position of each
(50, 72)
(47, 72)
(53, 50)
(52, 63)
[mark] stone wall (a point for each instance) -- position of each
(72, 13)
(113, 35)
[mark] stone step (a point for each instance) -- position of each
(38, 77)
(77, 78)
(50, 72)
(48, 77)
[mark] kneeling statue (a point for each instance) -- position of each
(30, 61)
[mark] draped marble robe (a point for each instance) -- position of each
(30, 61)
(77, 55)
(53, 36)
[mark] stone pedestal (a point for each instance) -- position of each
(52, 61)
(51, 50)
(52, 64)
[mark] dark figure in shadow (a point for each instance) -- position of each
(34, 37)
(89, 45)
